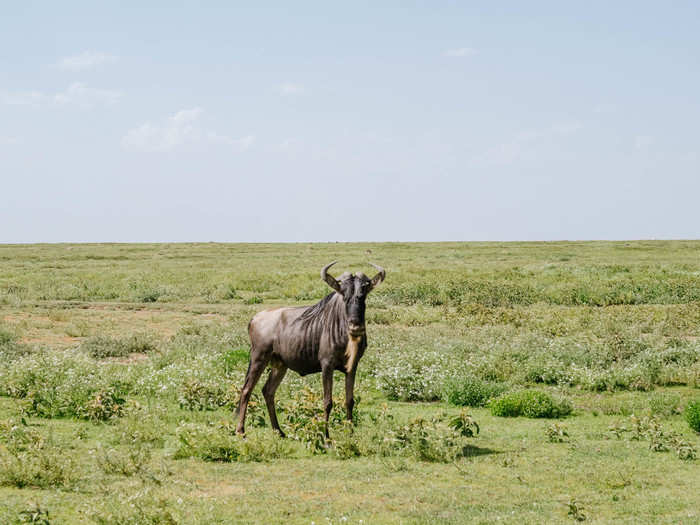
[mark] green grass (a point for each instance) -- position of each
(120, 364)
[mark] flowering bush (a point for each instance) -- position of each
(414, 376)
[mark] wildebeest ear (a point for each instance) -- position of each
(379, 277)
(329, 278)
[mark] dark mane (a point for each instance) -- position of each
(315, 309)
(326, 316)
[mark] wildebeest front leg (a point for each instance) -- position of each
(327, 375)
(349, 394)
(273, 381)
(256, 368)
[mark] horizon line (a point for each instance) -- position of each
(652, 239)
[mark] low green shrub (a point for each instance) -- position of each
(508, 405)
(206, 395)
(575, 510)
(417, 438)
(436, 440)
(20, 515)
(139, 508)
(206, 442)
(149, 295)
(17, 436)
(345, 442)
(305, 421)
(63, 384)
(229, 292)
(557, 433)
(692, 415)
(439, 439)
(660, 439)
(639, 376)
(34, 514)
(140, 425)
(27, 459)
(665, 405)
(472, 391)
(220, 443)
(10, 347)
(530, 403)
(549, 372)
(103, 406)
(101, 347)
(6, 337)
(464, 424)
(125, 462)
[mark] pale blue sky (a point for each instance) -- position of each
(213, 121)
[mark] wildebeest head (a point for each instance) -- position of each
(354, 290)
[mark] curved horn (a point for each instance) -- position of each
(379, 277)
(329, 278)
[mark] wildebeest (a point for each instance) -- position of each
(327, 336)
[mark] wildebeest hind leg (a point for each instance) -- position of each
(277, 372)
(258, 362)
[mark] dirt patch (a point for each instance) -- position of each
(56, 340)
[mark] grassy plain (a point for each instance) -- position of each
(119, 362)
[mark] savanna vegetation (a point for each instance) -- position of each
(503, 382)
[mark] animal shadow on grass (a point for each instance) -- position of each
(469, 454)
(472, 451)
